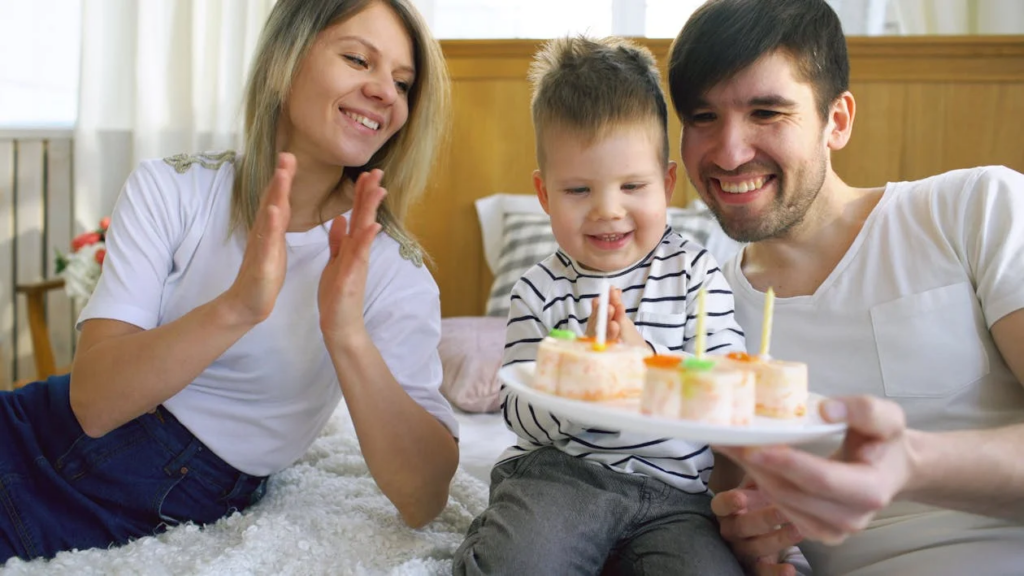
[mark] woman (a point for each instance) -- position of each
(204, 365)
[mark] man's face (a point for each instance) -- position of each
(755, 149)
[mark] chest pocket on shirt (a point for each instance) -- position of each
(667, 330)
(929, 344)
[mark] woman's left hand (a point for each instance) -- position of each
(343, 282)
(830, 499)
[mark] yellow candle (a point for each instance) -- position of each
(766, 326)
(701, 337)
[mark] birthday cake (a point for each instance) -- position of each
(697, 389)
(579, 368)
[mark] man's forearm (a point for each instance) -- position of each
(975, 471)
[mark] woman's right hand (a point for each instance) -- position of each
(252, 296)
(755, 529)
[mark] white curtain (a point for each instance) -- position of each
(959, 16)
(158, 77)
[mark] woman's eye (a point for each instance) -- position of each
(357, 60)
(403, 87)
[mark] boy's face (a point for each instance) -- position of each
(757, 151)
(607, 201)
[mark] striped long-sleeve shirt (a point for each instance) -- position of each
(660, 296)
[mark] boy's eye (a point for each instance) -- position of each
(357, 60)
(577, 190)
(633, 186)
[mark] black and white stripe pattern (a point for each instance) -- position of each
(660, 295)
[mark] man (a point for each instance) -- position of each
(910, 291)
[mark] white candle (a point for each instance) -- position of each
(602, 314)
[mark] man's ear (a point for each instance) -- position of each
(542, 191)
(841, 116)
(670, 182)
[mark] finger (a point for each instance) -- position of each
(613, 332)
(870, 416)
(339, 227)
(838, 482)
(729, 502)
(770, 545)
(769, 567)
(818, 518)
(753, 523)
(364, 241)
(274, 221)
(368, 196)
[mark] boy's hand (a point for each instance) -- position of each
(620, 327)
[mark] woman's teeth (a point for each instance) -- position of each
(363, 120)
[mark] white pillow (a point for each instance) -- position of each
(527, 239)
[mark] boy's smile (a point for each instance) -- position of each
(607, 198)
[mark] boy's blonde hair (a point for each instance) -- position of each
(406, 158)
(588, 86)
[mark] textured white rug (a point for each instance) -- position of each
(324, 515)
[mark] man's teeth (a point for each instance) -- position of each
(363, 120)
(741, 187)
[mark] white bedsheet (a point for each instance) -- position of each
(482, 438)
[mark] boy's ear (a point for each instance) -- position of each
(670, 182)
(542, 191)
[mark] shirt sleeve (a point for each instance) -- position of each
(723, 334)
(524, 329)
(403, 317)
(145, 229)
(992, 239)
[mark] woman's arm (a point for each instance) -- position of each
(411, 455)
(122, 371)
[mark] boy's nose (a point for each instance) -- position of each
(607, 207)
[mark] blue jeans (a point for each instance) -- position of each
(61, 489)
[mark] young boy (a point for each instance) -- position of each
(571, 499)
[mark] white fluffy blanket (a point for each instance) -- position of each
(324, 515)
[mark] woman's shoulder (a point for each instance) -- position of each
(197, 172)
(398, 260)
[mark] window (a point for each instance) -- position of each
(39, 41)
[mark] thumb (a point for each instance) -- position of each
(870, 416)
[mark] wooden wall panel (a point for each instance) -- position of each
(924, 105)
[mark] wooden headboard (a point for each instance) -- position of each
(924, 105)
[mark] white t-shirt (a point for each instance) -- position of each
(263, 402)
(660, 296)
(906, 315)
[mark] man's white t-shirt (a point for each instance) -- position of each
(262, 403)
(906, 315)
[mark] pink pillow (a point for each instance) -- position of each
(471, 349)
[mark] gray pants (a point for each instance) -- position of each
(551, 513)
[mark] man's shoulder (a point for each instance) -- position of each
(962, 180)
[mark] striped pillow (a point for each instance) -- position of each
(527, 240)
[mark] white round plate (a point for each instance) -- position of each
(625, 416)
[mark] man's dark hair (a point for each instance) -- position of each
(725, 36)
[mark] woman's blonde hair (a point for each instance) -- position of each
(406, 158)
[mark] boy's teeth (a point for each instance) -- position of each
(363, 120)
(741, 187)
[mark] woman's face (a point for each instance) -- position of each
(351, 93)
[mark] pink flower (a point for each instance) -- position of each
(100, 255)
(104, 223)
(85, 239)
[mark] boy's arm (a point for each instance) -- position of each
(525, 327)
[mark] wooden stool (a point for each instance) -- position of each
(42, 348)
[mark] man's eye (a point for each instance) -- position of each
(701, 118)
(765, 114)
